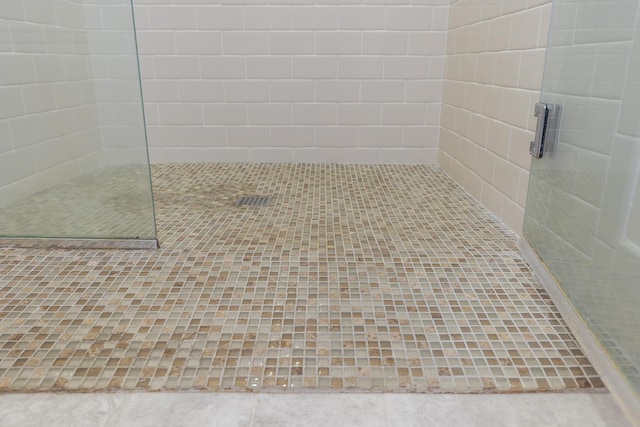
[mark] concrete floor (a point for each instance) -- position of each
(310, 409)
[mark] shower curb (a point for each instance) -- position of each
(624, 394)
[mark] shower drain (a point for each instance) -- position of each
(253, 201)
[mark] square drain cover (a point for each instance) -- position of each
(253, 201)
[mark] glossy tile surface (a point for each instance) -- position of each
(370, 278)
(113, 202)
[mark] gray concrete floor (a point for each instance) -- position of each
(310, 409)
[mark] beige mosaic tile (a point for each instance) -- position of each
(113, 202)
(369, 278)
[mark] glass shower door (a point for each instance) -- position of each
(583, 207)
(73, 152)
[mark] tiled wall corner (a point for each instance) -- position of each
(116, 81)
(291, 81)
(48, 118)
(494, 64)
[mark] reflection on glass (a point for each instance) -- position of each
(583, 206)
(73, 155)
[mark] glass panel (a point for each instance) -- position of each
(583, 206)
(73, 153)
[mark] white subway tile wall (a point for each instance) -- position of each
(69, 90)
(293, 81)
(494, 63)
(48, 116)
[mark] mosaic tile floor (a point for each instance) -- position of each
(111, 202)
(367, 278)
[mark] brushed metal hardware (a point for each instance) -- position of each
(546, 127)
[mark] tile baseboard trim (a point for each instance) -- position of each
(628, 400)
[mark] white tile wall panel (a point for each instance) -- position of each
(495, 57)
(316, 74)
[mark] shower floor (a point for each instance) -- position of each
(111, 202)
(363, 278)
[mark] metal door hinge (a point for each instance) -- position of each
(546, 128)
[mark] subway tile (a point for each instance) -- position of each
(162, 91)
(427, 43)
(272, 17)
(412, 18)
(29, 130)
(492, 199)
(513, 215)
(268, 67)
(531, 69)
(12, 10)
(49, 155)
(383, 90)
(523, 188)
(314, 114)
(337, 91)
(337, 136)
(25, 37)
(245, 43)
(220, 17)
(468, 152)
(525, 26)
(249, 136)
(12, 104)
(359, 156)
(406, 67)
(17, 69)
(291, 90)
(420, 136)
(59, 122)
(339, 43)
(44, 12)
(292, 43)
(225, 114)
(222, 67)
(199, 43)
(506, 178)
(176, 67)
(165, 136)
(403, 114)
(516, 106)
(318, 67)
(359, 18)
(6, 143)
(5, 38)
(246, 91)
(315, 155)
(380, 136)
(507, 69)
(172, 17)
(271, 155)
(204, 91)
(320, 17)
(385, 43)
(227, 155)
(292, 136)
(358, 114)
(360, 67)
(519, 148)
(16, 165)
(204, 136)
(424, 91)
(270, 114)
(407, 156)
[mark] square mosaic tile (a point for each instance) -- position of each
(364, 278)
(112, 202)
